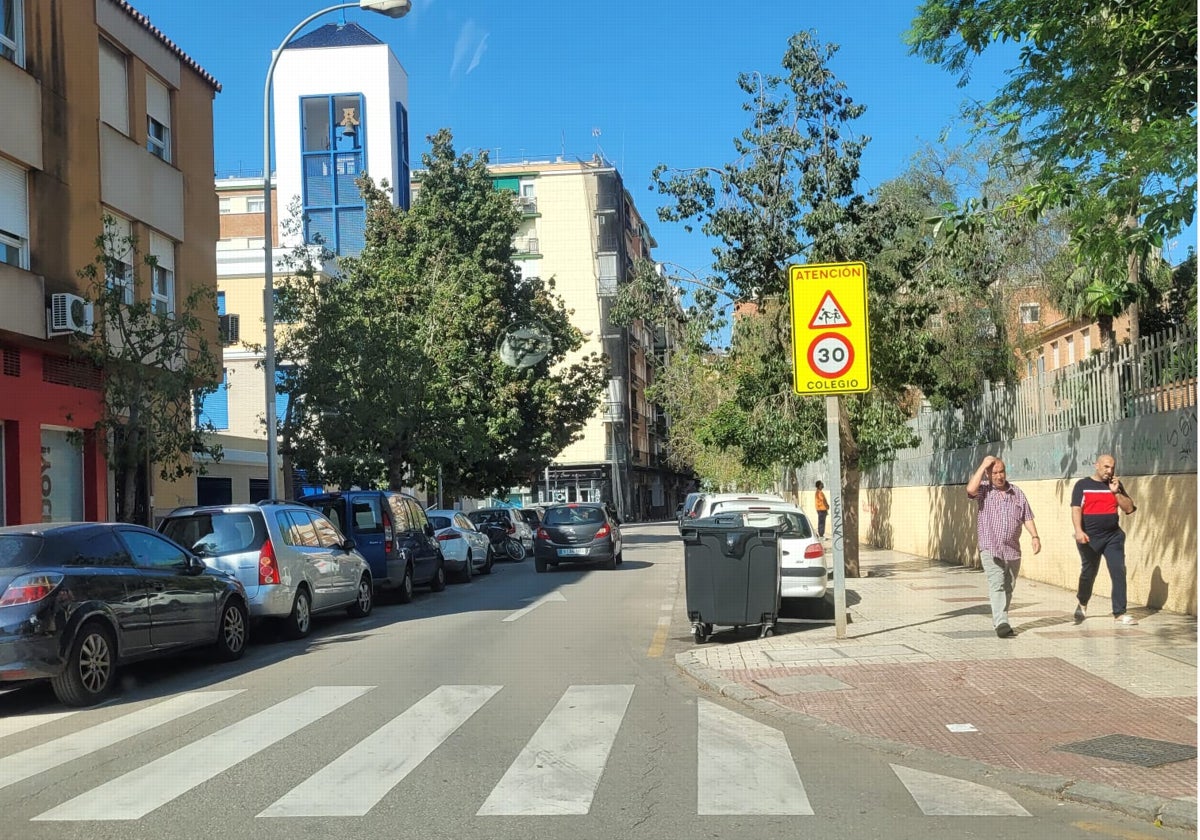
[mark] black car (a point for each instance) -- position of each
(577, 533)
(79, 599)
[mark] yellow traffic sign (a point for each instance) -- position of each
(831, 351)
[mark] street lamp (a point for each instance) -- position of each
(392, 9)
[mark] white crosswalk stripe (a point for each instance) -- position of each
(153, 785)
(30, 762)
(744, 767)
(559, 768)
(355, 782)
(946, 796)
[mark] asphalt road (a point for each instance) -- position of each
(517, 706)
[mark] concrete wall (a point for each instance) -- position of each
(917, 504)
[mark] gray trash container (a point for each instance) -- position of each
(731, 573)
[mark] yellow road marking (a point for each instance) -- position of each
(659, 642)
(1124, 834)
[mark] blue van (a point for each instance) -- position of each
(391, 531)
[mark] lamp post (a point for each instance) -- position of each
(392, 9)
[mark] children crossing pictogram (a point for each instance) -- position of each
(829, 314)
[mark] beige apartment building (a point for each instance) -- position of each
(116, 120)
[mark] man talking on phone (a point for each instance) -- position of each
(1096, 504)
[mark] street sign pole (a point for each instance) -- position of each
(834, 443)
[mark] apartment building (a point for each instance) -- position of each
(340, 108)
(1045, 339)
(114, 119)
(581, 226)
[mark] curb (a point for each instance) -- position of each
(1173, 813)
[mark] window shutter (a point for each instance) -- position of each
(281, 400)
(163, 250)
(114, 87)
(216, 405)
(158, 101)
(220, 303)
(14, 200)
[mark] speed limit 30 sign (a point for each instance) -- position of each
(830, 346)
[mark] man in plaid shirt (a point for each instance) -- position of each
(1003, 511)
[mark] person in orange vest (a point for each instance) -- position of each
(822, 509)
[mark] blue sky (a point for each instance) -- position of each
(643, 81)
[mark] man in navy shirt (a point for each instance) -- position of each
(1095, 502)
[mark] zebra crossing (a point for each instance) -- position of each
(743, 767)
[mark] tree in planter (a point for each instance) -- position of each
(397, 370)
(155, 366)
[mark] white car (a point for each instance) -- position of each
(467, 550)
(710, 504)
(804, 567)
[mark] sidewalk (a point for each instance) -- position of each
(921, 668)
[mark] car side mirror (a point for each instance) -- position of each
(195, 565)
(348, 544)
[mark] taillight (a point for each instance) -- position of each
(29, 589)
(388, 535)
(449, 535)
(542, 535)
(268, 567)
(814, 552)
(603, 532)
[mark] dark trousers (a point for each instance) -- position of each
(821, 514)
(1112, 548)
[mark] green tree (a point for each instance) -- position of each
(397, 369)
(1102, 108)
(156, 366)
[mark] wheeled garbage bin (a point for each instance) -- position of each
(732, 574)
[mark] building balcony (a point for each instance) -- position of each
(24, 296)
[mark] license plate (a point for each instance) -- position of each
(572, 552)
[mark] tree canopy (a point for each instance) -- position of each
(396, 369)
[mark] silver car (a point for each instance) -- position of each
(291, 560)
(466, 549)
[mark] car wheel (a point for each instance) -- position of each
(405, 593)
(468, 570)
(87, 676)
(488, 562)
(514, 549)
(232, 631)
(298, 623)
(365, 600)
(439, 577)
(539, 563)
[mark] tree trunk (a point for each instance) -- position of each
(850, 480)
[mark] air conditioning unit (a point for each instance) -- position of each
(69, 314)
(230, 329)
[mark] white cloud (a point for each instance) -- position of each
(472, 41)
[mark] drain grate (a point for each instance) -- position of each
(1144, 752)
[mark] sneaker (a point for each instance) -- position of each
(1003, 630)
(1080, 613)
(1125, 620)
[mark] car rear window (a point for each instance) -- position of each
(785, 522)
(366, 515)
(486, 515)
(333, 509)
(574, 516)
(217, 533)
(439, 522)
(20, 549)
(530, 515)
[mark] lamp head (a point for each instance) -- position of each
(391, 8)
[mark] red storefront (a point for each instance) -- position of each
(51, 463)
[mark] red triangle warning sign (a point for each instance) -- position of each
(829, 314)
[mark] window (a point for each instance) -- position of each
(404, 176)
(1087, 342)
(282, 375)
(327, 535)
(114, 87)
(14, 214)
(151, 551)
(121, 232)
(12, 31)
(1031, 313)
(158, 119)
(1054, 355)
(226, 206)
(214, 408)
(254, 204)
(1070, 350)
(162, 275)
(332, 148)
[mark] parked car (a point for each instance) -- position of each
(292, 561)
(688, 509)
(577, 533)
(466, 549)
(710, 504)
(510, 518)
(390, 529)
(532, 516)
(804, 566)
(79, 600)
